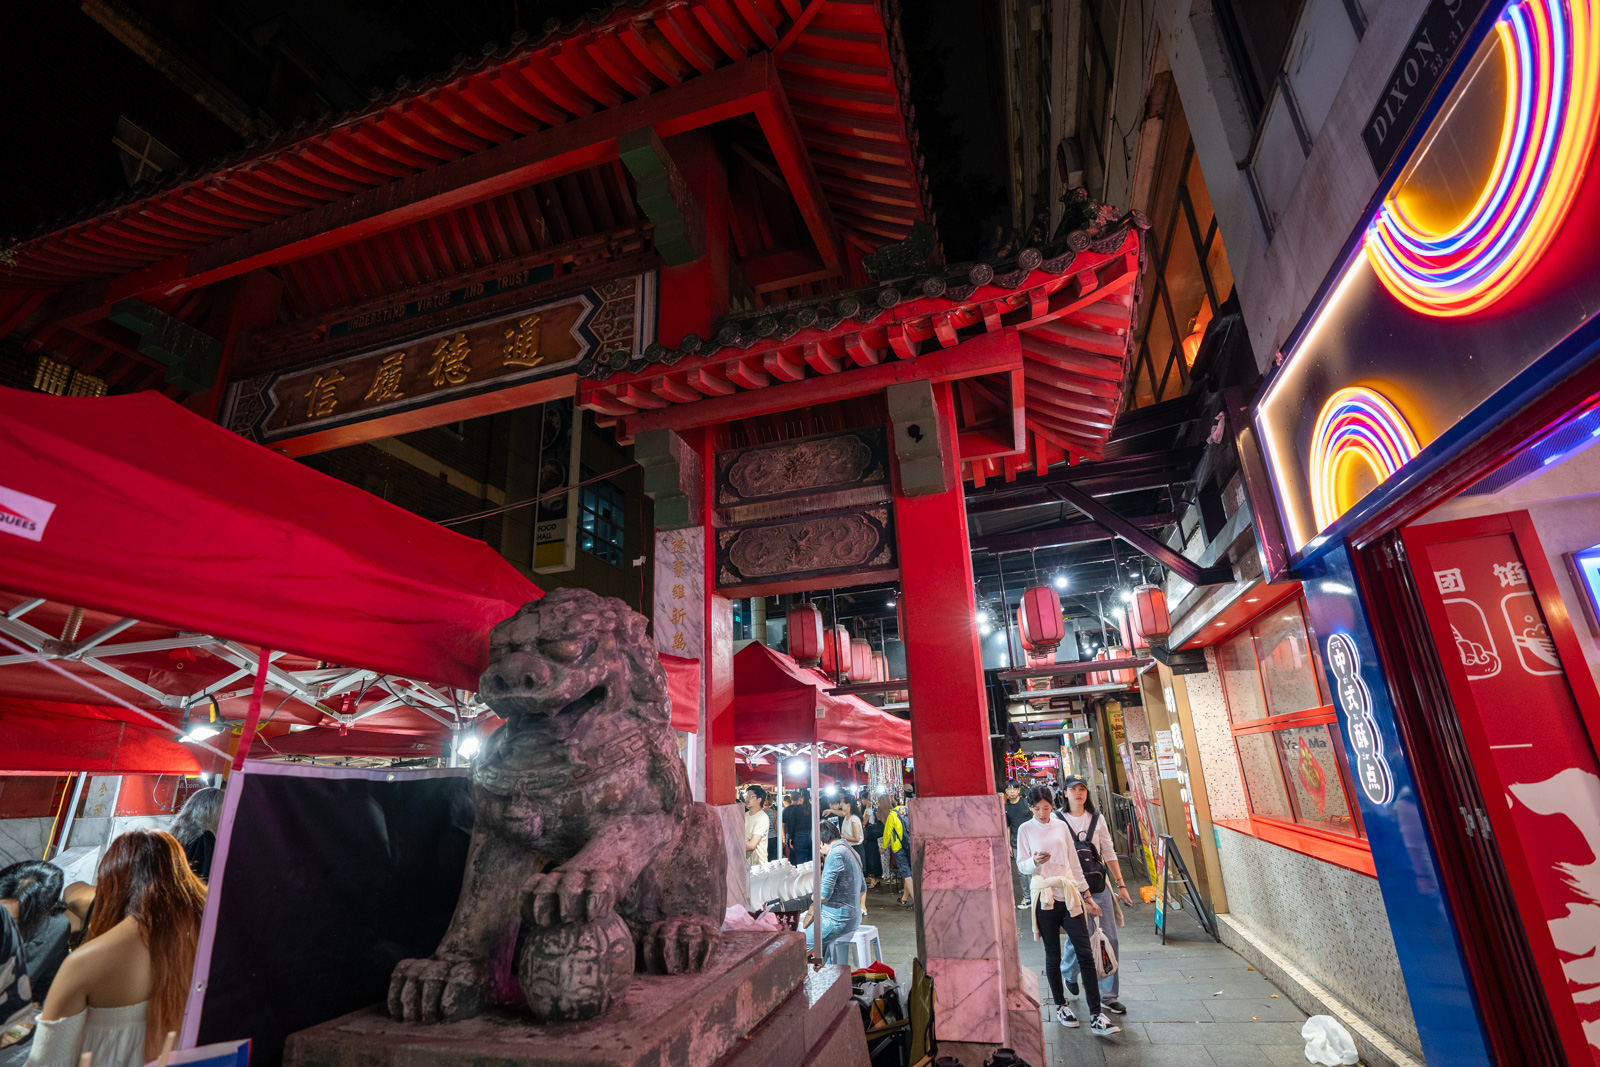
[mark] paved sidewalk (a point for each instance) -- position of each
(1193, 1002)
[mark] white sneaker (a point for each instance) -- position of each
(1100, 1026)
(1024, 906)
(1065, 1017)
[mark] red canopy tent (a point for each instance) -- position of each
(154, 555)
(775, 702)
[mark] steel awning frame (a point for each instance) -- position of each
(451, 708)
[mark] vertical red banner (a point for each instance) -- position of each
(1534, 753)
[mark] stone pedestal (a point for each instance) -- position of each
(756, 1003)
(967, 932)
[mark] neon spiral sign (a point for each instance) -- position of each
(1551, 51)
(1356, 425)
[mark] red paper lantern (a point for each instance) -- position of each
(1039, 619)
(1148, 616)
(805, 634)
(835, 650)
(860, 660)
(1122, 675)
(880, 667)
(1126, 631)
(1099, 677)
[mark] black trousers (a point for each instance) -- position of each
(1052, 923)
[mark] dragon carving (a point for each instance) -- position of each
(589, 860)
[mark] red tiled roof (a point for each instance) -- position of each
(836, 60)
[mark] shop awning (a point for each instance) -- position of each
(776, 700)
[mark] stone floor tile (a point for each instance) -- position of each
(1240, 1056)
(1157, 1056)
(1244, 1010)
(1253, 1033)
(1168, 1011)
(1285, 1055)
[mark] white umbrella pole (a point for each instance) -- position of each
(816, 854)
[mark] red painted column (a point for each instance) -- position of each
(949, 710)
(695, 295)
(717, 656)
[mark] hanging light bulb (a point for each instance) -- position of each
(469, 747)
(1127, 594)
(797, 766)
(1061, 581)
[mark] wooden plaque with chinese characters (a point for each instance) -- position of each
(813, 552)
(512, 349)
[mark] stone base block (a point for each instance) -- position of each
(694, 1020)
(818, 1026)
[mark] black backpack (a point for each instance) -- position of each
(1094, 870)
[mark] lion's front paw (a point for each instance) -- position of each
(567, 897)
(438, 990)
(681, 945)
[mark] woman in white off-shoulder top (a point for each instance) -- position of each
(119, 993)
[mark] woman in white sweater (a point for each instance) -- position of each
(1060, 894)
(1097, 858)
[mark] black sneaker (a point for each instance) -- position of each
(1065, 1017)
(1072, 987)
(1100, 1026)
(1114, 1006)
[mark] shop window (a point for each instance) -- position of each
(602, 525)
(1284, 725)
(60, 379)
(1187, 277)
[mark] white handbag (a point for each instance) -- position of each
(1105, 957)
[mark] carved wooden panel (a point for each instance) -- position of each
(808, 552)
(817, 466)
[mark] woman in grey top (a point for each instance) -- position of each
(842, 886)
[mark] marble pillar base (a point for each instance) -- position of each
(732, 819)
(966, 926)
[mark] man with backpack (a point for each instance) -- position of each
(1097, 856)
(897, 847)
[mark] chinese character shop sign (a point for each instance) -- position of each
(1371, 769)
(462, 361)
(680, 617)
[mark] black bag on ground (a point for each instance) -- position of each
(1094, 871)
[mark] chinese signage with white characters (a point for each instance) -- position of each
(1372, 771)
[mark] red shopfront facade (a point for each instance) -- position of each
(1421, 463)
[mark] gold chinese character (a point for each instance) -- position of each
(386, 382)
(450, 360)
(677, 592)
(522, 344)
(678, 644)
(321, 398)
(678, 615)
(678, 544)
(677, 568)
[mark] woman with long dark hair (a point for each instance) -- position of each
(31, 891)
(196, 828)
(120, 993)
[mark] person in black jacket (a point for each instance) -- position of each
(31, 891)
(797, 828)
(196, 828)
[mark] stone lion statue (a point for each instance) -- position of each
(588, 859)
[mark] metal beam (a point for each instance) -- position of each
(1082, 666)
(101, 636)
(1069, 534)
(1185, 568)
(1121, 475)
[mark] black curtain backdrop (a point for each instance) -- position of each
(329, 881)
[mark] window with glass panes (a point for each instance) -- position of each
(1284, 725)
(601, 523)
(1187, 277)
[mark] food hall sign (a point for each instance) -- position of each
(513, 349)
(1372, 770)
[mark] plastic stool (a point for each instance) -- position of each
(865, 948)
